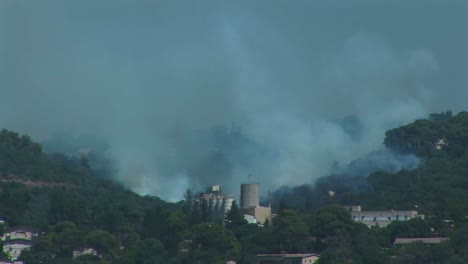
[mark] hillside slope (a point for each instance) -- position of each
(75, 208)
(439, 186)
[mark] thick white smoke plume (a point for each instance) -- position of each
(188, 94)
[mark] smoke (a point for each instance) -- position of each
(186, 95)
(381, 160)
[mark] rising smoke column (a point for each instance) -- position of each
(188, 95)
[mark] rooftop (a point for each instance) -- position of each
(378, 213)
(290, 255)
(250, 219)
(18, 241)
(22, 228)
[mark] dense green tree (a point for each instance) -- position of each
(368, 245)
(102, 241)
(419, 253)
(330, 221)
(292, 230)
(258, 240)
(459, 241)
(147, 251)
(234, 217)
(67, 237)
(44, 251)
(212, 243)
(412, 228)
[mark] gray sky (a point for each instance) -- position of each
(152, 77)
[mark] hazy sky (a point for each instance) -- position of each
(153, 76)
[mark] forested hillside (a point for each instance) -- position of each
(76, 208)
(438, 189)
(438, 186)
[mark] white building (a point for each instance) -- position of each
(17, 239)
(85, 252)
(14, 248)
(250, 219)
(439, 144)
(424, 240)
(217, 202)
(21, 232)
(261, 214)
(289, 258)
(381, 218)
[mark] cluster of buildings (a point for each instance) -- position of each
(370, 219)
(250, 205)
(384, 218)
(20, 238)
(16, 240)
(219, 204)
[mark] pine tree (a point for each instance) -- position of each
(234, 217)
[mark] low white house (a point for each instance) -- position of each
(293, 258)
(16, 240)
(424, 240)
(21, 232)
(380, 218)
(85, 251)
(14, 248)
(250, 219)
(5, 261)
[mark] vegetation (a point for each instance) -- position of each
(438, 189)
(76, 209)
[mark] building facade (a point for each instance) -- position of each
(297, 258)
(21, 232)
(85, 252)
(250, 195)
(215, 202)
(250, 204)
(381, 218)
(14, 248)
(17, 239)
(261, 214)
(424, 240)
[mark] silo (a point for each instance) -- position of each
(249, 195)
(227, 203)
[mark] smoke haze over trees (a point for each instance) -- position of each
(181, 94)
